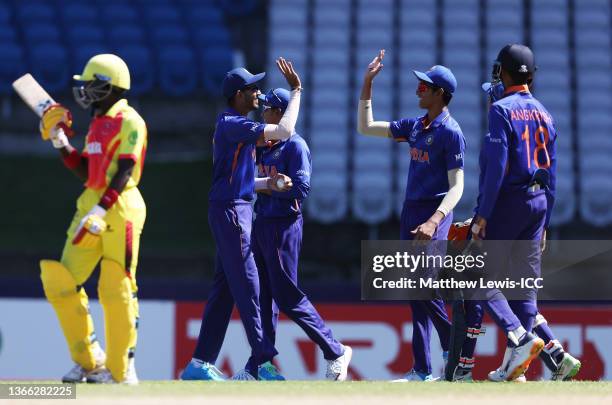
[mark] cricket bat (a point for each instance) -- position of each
(33, 94)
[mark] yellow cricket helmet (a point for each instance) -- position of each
(109, 67)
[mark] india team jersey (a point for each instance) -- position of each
(119, 134)
(234, 157)
(292, 158)
(521, 140)
(434, 150)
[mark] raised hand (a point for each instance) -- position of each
(375, 66)
(286, 68)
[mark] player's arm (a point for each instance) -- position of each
(93, 223)
(495, 150)
(298, 170)
(454, 151)
(279, 183)
(365, 117)
(426, 230)
(74, 161)
(285, 128)
(552, 186)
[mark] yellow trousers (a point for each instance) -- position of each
(117, 250)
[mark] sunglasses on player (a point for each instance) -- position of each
(422, 86)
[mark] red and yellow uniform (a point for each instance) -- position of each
(119, 134)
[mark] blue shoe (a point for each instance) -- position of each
(269, 372)
(417, 376)
(202, 371)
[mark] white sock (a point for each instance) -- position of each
(197, 362)
(516, 335)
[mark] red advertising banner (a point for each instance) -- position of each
(381, 339)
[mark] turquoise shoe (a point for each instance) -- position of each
(202, 371)
(269, 372)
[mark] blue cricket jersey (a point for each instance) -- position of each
(434, 150)
(234, 157)
(292, 158)
(521, 139)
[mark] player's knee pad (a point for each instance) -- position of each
(72, 308)
(120, 316)
(114, 284)
(57, 281)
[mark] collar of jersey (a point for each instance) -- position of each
(521, 88)
(439, 120)
(231, 111)
(119, 105)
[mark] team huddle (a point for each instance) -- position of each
(258, 240)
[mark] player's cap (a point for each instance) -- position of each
(439, 76)
(106, 67)
(516, 58)
(276, 98)
(238, 79)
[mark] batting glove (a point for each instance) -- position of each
(90, 228)
(58, 138)
(54, 117)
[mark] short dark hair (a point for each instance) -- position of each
(447, 97)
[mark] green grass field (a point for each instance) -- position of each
(323, 392)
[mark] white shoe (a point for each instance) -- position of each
(78, 374)
(520, 379)
(567, 369)
(243, 375)
(416, 376)
(463, 376)
(337, 370)
(104, 376)
(131, 378)
(500, 375)
(522, 356)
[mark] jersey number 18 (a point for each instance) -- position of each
(541, 137)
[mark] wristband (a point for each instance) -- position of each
(109, 198)
(72, 160)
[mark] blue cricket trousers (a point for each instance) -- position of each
(276, 246)
(236, 280)
(425, 313)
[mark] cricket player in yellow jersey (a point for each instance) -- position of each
(106, 227)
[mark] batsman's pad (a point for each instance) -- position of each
(457, 336)
(120, 316)
(56, 115)
(72, 308)
(88, 236)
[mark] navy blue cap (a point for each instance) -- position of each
(516, 58)
(277, 98)
(237, 79)
(439, 76)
